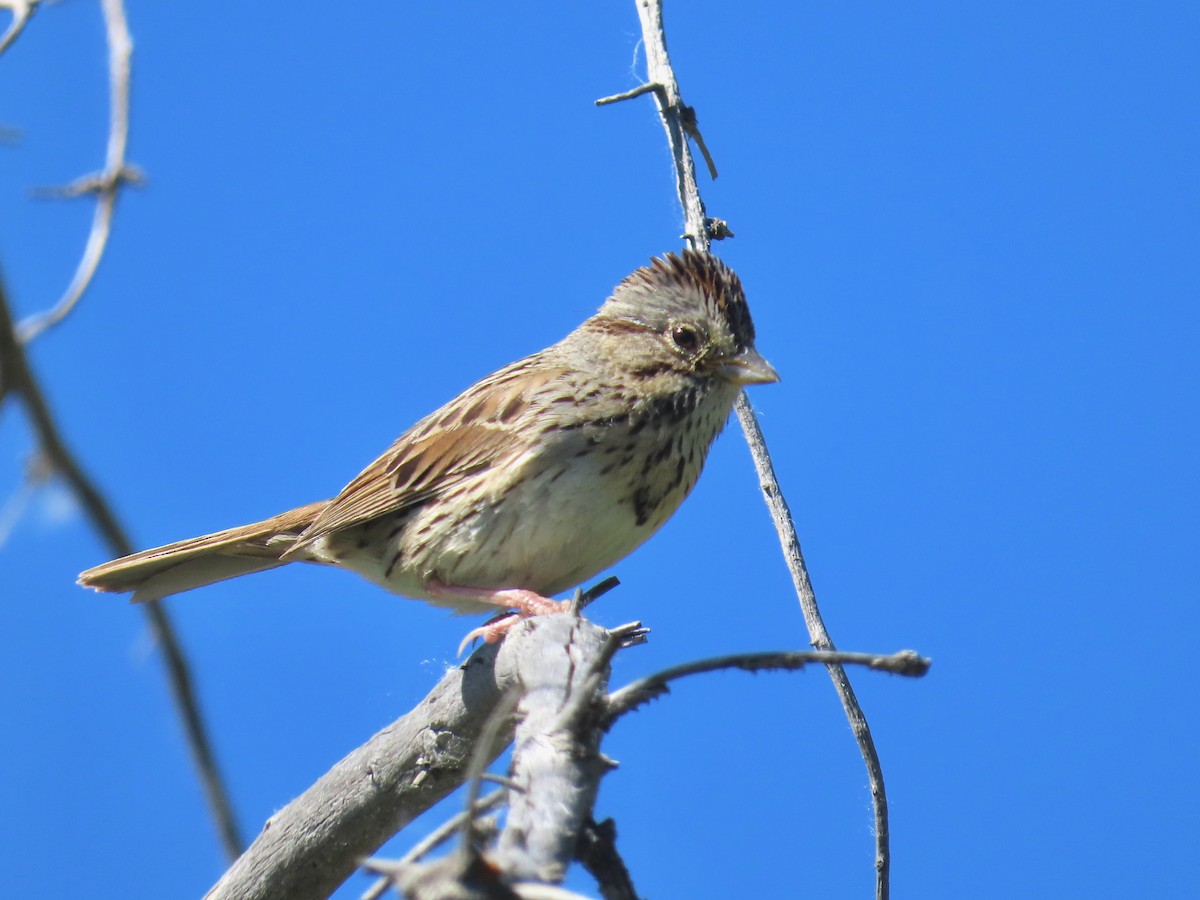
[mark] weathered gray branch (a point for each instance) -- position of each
(556, 766)
(315, 842)
(559, 665)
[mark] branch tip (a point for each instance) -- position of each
(648, 87)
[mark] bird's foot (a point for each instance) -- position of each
(523, 604)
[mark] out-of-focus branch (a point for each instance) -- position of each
(53, 457)
(18, 381)
(597, 852)
(22, 11)
(430, 842)
(679, 121)
(105, 184)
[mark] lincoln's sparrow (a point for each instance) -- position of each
(532, 480)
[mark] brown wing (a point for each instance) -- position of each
(470, 434)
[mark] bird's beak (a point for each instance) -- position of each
(748, 367)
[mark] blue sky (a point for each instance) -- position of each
(969, 238)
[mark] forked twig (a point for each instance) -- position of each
(697, 233)
(106, 184)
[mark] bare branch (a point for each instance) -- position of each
(819, 637)
(22, 12)
(697, 233)
(630, 697)
(453, 877)
(561, 666)
(660, 80)
(426, 845)
(691, 127)
(583, 599)
(629, 95)
(556, 752)
(315, 842)
(307, 849)
(17, 379)
(106, 184)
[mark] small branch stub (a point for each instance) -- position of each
(717, 229)
(629, 95)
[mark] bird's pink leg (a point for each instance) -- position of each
(525, 603)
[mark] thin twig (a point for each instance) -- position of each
(629, 95)
(696, 232)
(630, 697)
(487, 747)
(446, 831)
(427, 844)
(502, 780)
(106, 184)
(22, 12)
(583, 599)
(670, 106)
(820, 639)
(691, 127)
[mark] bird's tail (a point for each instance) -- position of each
(154, 574)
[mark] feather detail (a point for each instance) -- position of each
(469, 435)
(198, 561)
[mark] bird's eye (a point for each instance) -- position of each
(685, 338)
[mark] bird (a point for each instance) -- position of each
(532, 480)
